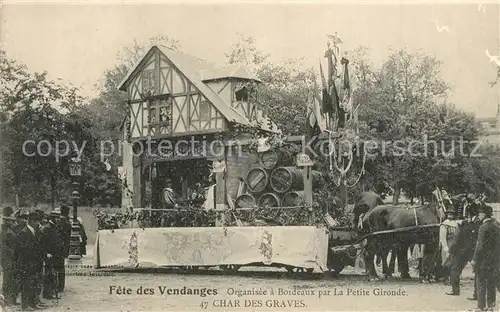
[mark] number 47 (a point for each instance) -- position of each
(204, 305)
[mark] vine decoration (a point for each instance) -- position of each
(151, 218)
(252, 135)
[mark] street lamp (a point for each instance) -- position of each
(75, 170)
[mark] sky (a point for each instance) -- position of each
(79, 42)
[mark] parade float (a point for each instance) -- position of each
(193, 126)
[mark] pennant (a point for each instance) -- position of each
(320, 120)
(327, 107)
(332, 73)
(311, 118)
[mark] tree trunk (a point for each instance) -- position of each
(17, 199)
(397, 192)
(53, 190)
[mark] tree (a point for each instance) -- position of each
(32, 108)
(401, 101)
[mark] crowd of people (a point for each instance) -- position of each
(33, 249)
(459, 245)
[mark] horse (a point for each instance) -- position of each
(368, 201)
(390, 217)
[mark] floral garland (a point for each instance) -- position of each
(252, 134)
(278, 217)
(187, 217)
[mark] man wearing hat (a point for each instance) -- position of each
(42, 252)
(53, 244)
(27, 253)
(446, 241)
(65, 236)
(486, 259)
(7, 261)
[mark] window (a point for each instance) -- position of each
(204, 111)
(149, 82)
(241, 94)
(160, 116)
(246, 91)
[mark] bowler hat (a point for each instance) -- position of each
(55, 213)
(64, 209)
(7, 211)
(488, 210)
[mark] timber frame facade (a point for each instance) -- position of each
(172, 95)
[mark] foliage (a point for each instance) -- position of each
(402, 100)
(185, 217)
(33, 108)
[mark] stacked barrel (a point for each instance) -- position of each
(276, 182)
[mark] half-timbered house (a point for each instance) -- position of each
(176, 98)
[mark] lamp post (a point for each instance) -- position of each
(75, 169)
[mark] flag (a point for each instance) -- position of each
(320, 119)
(326, 107)
(346, 101)
(332, 73)
(346, 105)
(311, 118)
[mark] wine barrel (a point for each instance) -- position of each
(257, 179)
(269, 159)
(295, 198)
(287, 179)
(245, 201)
(269, 199)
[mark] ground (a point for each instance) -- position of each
(348, 292)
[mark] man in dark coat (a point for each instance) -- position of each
(461, 251)
(486, 259)
(53, 244)
(20, 223)
(7, 261)
(26, 255)
(41, 255)
(65, 235)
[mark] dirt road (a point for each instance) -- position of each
(349, 292)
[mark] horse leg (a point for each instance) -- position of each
(402, 254)
(383, 256)
(369, 255)
(392, 262)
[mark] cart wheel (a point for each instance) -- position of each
(292, 269)
(338, 267)
(231, 268)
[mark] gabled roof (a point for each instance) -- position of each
(196, 70)
(231, 71)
